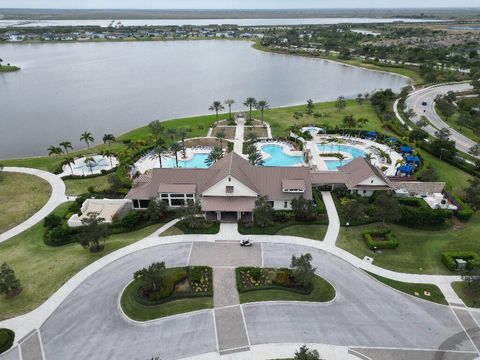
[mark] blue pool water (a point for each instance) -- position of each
(99, 164)
(334, 164)
(197, 161)
(279, 158)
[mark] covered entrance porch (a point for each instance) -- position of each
(228, 208)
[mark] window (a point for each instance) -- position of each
(285, 204)
(229, 189)
(143, 204)
(189, 195)
(364, 191)
(136, 205)
(178, 202)
(164, 196)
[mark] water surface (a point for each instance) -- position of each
(66, 89)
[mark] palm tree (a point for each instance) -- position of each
(87, 137)
(157, 152)
(66, 145)
(250, 102)
(54, 150)
(90, 161)
(262, 105)
(214, 155)
(69, 161)
(340, 157)
(216, 106)
(221, 136)
(229, 103)
(108, 138)
(368, 157)
(171, 132)
(361, 123)
(109, 154)
(183, 134)
(254, 156)
(175, 148)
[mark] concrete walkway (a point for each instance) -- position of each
(56, 198)
(239, 133)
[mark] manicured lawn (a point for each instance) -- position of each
(21, 196)
(43, 269)
(80, 186)
(140, 312)
(282, 118)
(315, 232)
(436, 294)
(461, 288)
(456, 179)
(322, 291)
(419, 250)
(172, 231)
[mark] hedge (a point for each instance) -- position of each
(7, 337)
(242, 289)
(390, 241)
(471, 257)
(465, 212)
(209, 227)
(416, 212)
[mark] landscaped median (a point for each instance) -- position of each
(270, 284)
(158, 292)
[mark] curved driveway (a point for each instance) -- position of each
(88, 324)
(57, 197)
(428, 95)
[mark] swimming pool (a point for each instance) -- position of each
(197, 161)
(340, 148)
(100, 163)
(279, 158)
(334, 164)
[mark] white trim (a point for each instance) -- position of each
(245, 326)
(215, 329)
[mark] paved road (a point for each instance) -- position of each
(57, 197)
(428, 95)
(88, 324)
(364, 313)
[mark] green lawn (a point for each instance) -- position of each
(21, 196)
(136, 311)
(419, 250)
(470, 299)
(315, 232)
(43, 269)
(322, 291)
(80, 186)
(172, 231)
(456, 179)
(436, 294)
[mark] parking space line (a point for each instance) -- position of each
(215, 329)
(465, 330)
(245, 325)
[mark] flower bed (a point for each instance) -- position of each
(252, 278)
(380, 239)
(180, 283)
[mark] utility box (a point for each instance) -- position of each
(461, 264)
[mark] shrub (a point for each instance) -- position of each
(472, 259)
(7, 337)
(389, 240)
(256, 273)
(465, 212)
(416, 212)
(131, 220)
(52, 221)
(282, 277)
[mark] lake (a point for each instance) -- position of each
(65, 89)
(205, 22)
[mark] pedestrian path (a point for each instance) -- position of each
(239, 133)
(56, 198)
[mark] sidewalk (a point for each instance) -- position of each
(56, 198)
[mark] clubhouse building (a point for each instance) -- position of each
(227, 190)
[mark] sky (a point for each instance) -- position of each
(232, 4)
